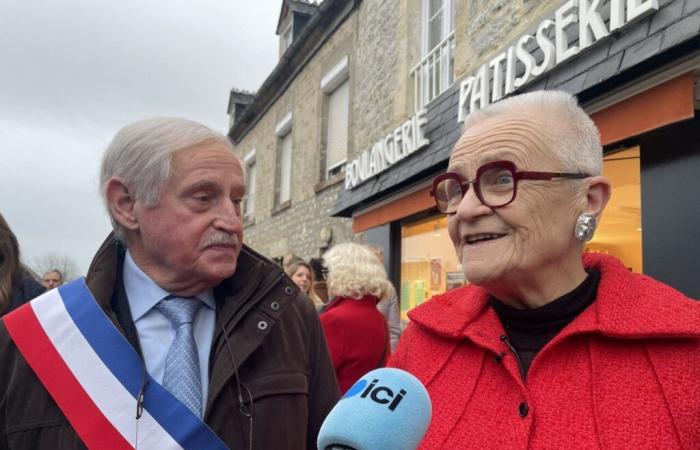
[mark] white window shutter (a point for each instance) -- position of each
(285, 168)
(337, 136)
(249, 205)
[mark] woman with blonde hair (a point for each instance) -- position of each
(356, 332)
(16, 284)
(389, 306)
(303, 276)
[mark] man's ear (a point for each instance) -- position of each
(121, 203)
(597, 195)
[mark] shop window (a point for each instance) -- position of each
(429, 264)
(620, 230)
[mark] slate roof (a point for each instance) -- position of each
(670, 33)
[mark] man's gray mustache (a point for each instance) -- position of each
(219, 239)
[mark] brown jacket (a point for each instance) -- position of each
(276, 340)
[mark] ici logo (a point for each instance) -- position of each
(378, 394)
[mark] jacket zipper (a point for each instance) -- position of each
(506, 341)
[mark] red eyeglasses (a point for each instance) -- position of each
(495, 185)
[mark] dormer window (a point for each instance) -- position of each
(293, 19)
(287, 38)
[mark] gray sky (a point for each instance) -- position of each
(73, 72)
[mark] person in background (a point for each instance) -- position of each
(320, 287)
(301, 274)
(52, 279)
(226, 350)
(389, 306)
(17, 286)
(290, 258)
(547, 347)
(357, 335)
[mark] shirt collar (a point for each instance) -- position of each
(143, 293)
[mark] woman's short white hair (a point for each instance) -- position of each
(354, 271)
(141, 155)
(570, 134)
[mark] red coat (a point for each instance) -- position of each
(357, 337)
(625, 374)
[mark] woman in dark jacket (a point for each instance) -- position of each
(16, 284)
(355, 330)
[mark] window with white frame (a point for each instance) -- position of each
(435, 72)
(251, 179)
(438, 22)
(284, 164)
(336, 86)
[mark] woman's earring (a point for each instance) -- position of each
(585, 227)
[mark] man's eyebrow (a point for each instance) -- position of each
(202, 185)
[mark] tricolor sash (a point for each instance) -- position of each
(97, 378)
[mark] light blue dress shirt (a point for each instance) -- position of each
(154, 329)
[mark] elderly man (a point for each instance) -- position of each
(547, 347)
(182, 337)
(52, 279)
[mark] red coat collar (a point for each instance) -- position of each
(628, 305)
(367, 300)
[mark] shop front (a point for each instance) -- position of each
(646, 113)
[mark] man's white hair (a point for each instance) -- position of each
(141, 155)
(569, 133)
(355, 271)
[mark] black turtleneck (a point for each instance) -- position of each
(530, 329)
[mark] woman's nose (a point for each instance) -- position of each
(470, 207)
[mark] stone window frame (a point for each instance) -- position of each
(330, 82)
(283, 130)
(250, 162)
(287, 36)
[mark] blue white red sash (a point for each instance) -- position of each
(95, 376)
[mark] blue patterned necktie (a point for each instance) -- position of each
(182, 377)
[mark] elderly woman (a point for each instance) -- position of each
(356, 332)
(547, 348)
(16, 284)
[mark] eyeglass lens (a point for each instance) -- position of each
(495, 187)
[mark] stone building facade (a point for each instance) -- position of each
(303, 224)
(411, 58)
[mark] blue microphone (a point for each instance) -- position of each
(384, 410)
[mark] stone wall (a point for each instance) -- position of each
(483, 27)
(297, 228)
(382, 39)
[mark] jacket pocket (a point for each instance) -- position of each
(274, 416)
(278, 383)
(54, 434)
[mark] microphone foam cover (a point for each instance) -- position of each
(385, 409)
